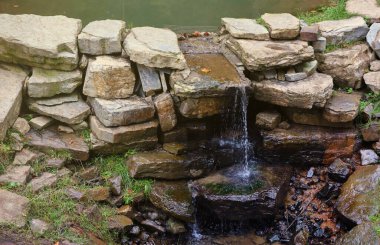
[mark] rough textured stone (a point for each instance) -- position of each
(175, 227)
(294, 77)
(65, 129)
(372, 132)
(13, 208)
(25, 157)
(173, 198)
(265, 55)
(373, 38)
(109, 77)
(49, 139)
(21, 125)
(24, 41)
(245, 28)
(39, 227)
(165, 110)
(347, 30)
(119, 222)
(319, 45)
(339, 171)
(359, 197)
(123, 134)
(70, 112)
(45, 180)
(372, 80)
(202, 107)
(163, 165)
(11, 83)
(309, 33)
(282, 26)
(312, 91)
(102, 37)
(375, 65)
(47, 83)
(347, 66)
(366, 8)
(122, 112)
(369, 157)
(363, 234)
(18, 174)
(149, 79)
(41, 122)
(98, 194)
(154, 47)
(342, 107)
(268, 120)
(179, 134)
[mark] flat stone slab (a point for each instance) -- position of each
(282, 26)
(41, 122)
(11, 83)
(149, 79)
(45, 180)
(122, 112)
(109, 77)
(25, 157)
(123, 134)
(13, 208)
(49, 140)
(245, 28)
(163, 165)
(71, 112)
(167, 117)
(366, 8)
(266, 55)
(342, 107)
(312, 91)
(154, 47)
(372, 80)
(202, 107)
(24, 41)
(16, 174)
(48, 83)
(341, 31)
(102, 37)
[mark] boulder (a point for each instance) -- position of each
(41, 122)
(116, 185)
(202, 107)
(45, 180)
(119, 222)
(309, 33)
(163, 165)
(49, 140)
(24, 41)
(245, 28)
(312, 91)
(11, 83)
(342, 107)
(372, 80)
(341, 31)
(122, 112)
(123, 134)
(102, 37)
(109, 77)
(268, 119)
(16, 174)
(266, 55)
(367, 8)
(359, 199)
(13, 209)
(70, 112)
(48, 83)
(373, 38)
(339, 171)
(369, 157)
(282, 26)
(21, 125)
(154, 47)
(308, 144)
(361, 234)
(347, 66)
(167, 117)
(174, 198)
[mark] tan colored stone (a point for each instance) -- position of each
(282, 26)
(165, 110)
(245, 28)
(202, 107)
(13, 208)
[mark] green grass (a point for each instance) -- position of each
(336, 11)
(333, 47)
(370, 98)
(86, 135)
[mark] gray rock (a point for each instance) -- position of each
(17, 174)
(13, 208)
(154, 47)
(54, 46)
(122, 112)
(363, 234)
(80, 126)
(38, 226)
(319, 45)
(369, 157)
(347, 30)
(268, 120)
(294, 77)
(342, 107)
(373, 39)
(11, 83)
(47, 83)
(65, 129)
(109, 77)
(270, 74)
(282, 26)
(41, 122)
(375, 65)
(21, 125)
(150, 80)
(102, 37)
(245, 28)
(167, 117)
(372, 80)
(150, 224)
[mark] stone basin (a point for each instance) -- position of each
(230, 194)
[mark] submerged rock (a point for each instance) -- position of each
(282, 26)
(226, 195)
(245, 28)
(13, 209)
(48, 42)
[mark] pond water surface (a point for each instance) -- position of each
(180, 15)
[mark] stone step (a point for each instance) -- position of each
(245, 28)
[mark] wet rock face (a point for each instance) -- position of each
(307, 144)
(173, 198)
(359, 197)
(361, 234)
(228, 196)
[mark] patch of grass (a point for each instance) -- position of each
(335, 11)
(28, 117)
(226, 189)
(333, 47)
(369, 99)
(60, 154)
(86, 135)
(260, 21)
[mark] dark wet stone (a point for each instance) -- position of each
(150, 224)
(339, 171)
(175, 227)
(329, 191)
(362, 234)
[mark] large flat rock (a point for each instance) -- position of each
(366, 8)
(342, 107)
(102, 37)
(154, 47)
(282, 26)
(11, 83)
(341, 31)
(48, 83)
(245, 28)
(266, 55)
(122, 112)
(13, 209)
(347, 66)
(312, 91)
(109, 77)
(40, 41)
